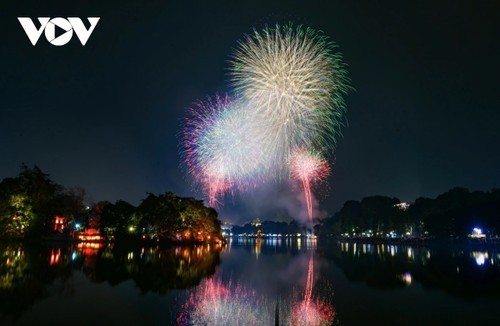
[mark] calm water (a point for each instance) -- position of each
(250, 281)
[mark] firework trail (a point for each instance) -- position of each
(309, 281)
(310, 169)
(311, 311)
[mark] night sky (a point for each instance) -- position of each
(424, 116)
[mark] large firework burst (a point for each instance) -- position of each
(222, 148)
(292, 78)
(289, 86)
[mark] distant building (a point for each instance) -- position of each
(60, 223)
(91, 235)
(226, 226)
(403, 206)
(227, 229)
(256, 222)
(477, 233)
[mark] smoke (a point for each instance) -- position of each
(274, 202)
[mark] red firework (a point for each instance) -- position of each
(310, 169)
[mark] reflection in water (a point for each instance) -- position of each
(480, 257)
(283, 283)
(255, 245)
(309, 281)
(410, 253)
(89, 248)
(258, 245)
(28, 274)
(12, 267)
(461, 271)
(54, 256)
(406, 277)
(311, 311)
(215, 302)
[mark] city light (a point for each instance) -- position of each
(480, 257)
(477, 233)
(406, 278)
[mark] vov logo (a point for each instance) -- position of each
(66, 25)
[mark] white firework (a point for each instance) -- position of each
(294, 81)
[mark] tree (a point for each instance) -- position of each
(29, 202)
(115, 218)
(176, 218)
(351, 217)
(380, 213)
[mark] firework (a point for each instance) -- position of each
(309, 168)
(215, 303)
(310, 311)
(306, 307)
(196, 154)
(312, 314)
(292, 78)
(309, 281)
(289, 87)
(222, 148)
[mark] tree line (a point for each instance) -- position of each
(30, 202)
(452, 214)
(269, 227)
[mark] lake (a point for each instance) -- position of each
(250, 281)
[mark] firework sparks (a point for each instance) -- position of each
(309, 168)
(312, 314)
(292, 78)
(221, 147)
(217, 304)
(310, 311)
(289, 87)
(309, 281)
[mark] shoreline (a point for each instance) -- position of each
(457, 243)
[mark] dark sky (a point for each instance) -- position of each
(425, 115)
